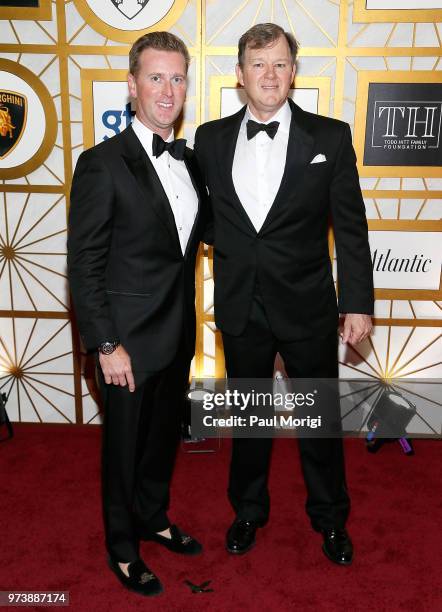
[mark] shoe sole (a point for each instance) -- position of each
(240, 552)
(334, 560)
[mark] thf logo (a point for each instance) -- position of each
(407, 120)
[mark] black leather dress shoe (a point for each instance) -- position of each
(140, 580)
(337, 546)
(241, 536)
(179, 542)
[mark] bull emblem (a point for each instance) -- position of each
(6, 126)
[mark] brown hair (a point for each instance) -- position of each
(263, 34)
(163, 41)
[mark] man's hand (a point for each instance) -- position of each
(117, 368)
(357, 327)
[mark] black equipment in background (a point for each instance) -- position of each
(5, 423)
(388, 421)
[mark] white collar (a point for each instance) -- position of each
(283, 115)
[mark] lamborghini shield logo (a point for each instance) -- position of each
(13, 113)
(130, 8)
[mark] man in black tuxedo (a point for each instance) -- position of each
(275, 175)
(134, 230)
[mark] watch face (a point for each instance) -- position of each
(107, 348)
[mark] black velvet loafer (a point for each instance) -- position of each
(241, 537)
(141, 579)
(180, 542)
(337, 546)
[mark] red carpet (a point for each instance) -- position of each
(51, 533)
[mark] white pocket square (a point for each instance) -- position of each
(318, 159)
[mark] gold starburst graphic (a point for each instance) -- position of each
(395, 352)
(36, 369)
(33, 252)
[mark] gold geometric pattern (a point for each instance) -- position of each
(412, 13)
(36, 369)
(33, 252)
(165, 20)
(33, 294)
(315, 24)
(45, 66)
(394, 352)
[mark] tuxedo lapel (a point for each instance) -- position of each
(227, 145)
(299, 154)
(144, 173)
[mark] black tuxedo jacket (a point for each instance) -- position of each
(128, 277)
(289, 256)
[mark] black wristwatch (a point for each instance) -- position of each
(108, 347)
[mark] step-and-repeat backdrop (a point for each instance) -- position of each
(63, 64)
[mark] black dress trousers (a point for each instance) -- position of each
(252, 355)
(141, 432)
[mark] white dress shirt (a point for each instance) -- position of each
(176, 182)
(259, 164)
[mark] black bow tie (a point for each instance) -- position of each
(176, 148)
(253, 128)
